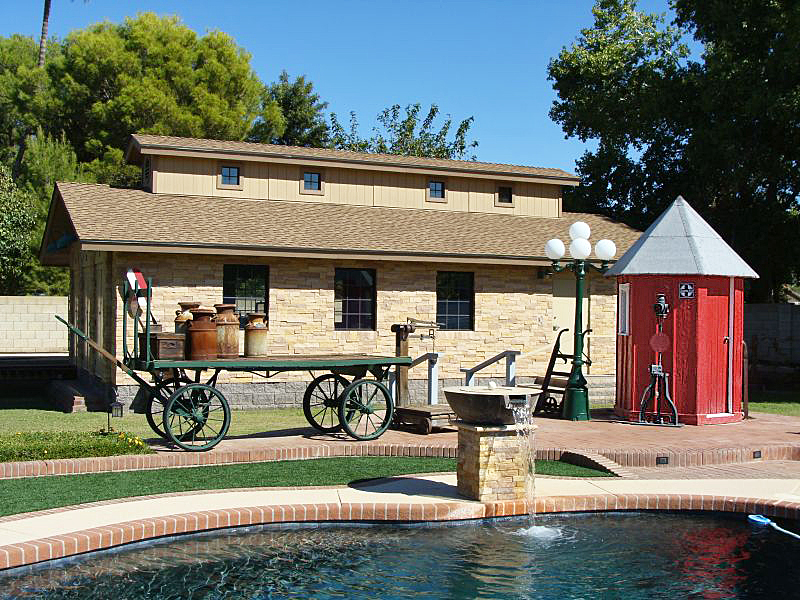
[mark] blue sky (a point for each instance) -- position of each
(487, 59)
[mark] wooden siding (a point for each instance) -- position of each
(270, 181)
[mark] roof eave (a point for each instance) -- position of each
(136, 149)
(397, 255)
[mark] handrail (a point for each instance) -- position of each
(423, 357)
(432, 359)
(511, 367)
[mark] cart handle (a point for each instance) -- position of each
(105, 353)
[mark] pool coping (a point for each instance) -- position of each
(139, 530)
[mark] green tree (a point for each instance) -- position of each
(407, 135)
(20, 80)
(47, 160)
(723, 131)
(17, 221)
(150, 75)
(291, 114)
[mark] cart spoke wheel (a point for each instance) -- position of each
(366, 410)
(157, 399)
(321, 402)
(196, 417)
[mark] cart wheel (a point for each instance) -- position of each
(550, 406)
(425, 426)
(157, 399)
(366, 409)
(321, 402)
(196, 417)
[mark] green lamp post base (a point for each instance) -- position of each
(576, 404)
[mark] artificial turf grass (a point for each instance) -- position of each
(40, 493)
(50, 445)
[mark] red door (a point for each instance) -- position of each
(712, 346)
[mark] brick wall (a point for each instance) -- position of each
(513, 309)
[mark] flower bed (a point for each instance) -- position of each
(47, 445)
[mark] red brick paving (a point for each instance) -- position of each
(777, 437)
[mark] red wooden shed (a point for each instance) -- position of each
(701, 279)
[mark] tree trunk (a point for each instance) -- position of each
(43, 39)
(16, 169)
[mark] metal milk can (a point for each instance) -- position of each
(183, 315)
(255, 335)
(227, 331)
(202, 335)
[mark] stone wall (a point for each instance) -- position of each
(27, 324)
(513, 307)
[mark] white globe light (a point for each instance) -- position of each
(579, 229)
(605, 249)
(554, 249)
(580, 249)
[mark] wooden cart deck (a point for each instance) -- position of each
(424, 416)
(277, 362)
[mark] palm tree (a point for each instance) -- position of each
(43, 39)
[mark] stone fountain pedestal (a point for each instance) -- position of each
(492, 463)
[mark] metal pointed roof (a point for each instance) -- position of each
(680, 242)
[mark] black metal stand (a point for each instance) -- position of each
(658, 391)
(654, 395)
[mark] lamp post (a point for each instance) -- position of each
(576, 396)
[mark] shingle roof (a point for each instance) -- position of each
(102, 214)
(140, 141)
(680, 242)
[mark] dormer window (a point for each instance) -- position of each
(229, 177)
(312, 182)
(436, 191)
(504, 196)
(147, 173)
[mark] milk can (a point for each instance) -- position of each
(183, 315)
(227, 331)
(202, 335)
(255, 335)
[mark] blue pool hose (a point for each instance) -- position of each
(766, 521)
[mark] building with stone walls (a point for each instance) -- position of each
(335, 246)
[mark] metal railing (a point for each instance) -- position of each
(511, 367)
(432, 358)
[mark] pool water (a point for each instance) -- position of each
(597, 556)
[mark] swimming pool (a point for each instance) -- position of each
(606, 555)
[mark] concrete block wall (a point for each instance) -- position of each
(27, 324)
(772, 333)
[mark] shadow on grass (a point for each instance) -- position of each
(25, 395)
(781, 396)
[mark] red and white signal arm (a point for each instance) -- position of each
(136, 304)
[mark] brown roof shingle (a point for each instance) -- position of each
(140, 141)
(110, 215)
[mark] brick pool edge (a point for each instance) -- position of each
(102, 538)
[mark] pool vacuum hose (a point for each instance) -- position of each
(764, 521)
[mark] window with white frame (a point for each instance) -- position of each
(623, 308)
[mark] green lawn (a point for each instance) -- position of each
(781, 403)
(39, 493)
